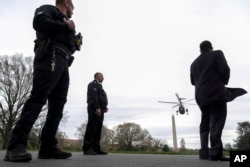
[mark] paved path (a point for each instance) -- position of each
(118, 160)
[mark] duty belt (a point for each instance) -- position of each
(61, 52)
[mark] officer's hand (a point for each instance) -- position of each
(98, 112)
(70, 23)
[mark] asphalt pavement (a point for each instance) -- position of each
(117, 160)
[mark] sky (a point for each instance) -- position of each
(144, 48)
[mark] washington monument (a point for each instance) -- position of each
(175, 147)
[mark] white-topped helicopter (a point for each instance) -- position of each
(180, 103)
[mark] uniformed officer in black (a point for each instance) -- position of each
(97, 106)
(54, 46)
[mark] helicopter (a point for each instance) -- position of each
(180, 103)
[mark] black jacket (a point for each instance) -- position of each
(210, 73)
(96, 96)
(49, 23)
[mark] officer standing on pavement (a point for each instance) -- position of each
(56, 42)
(97, 105)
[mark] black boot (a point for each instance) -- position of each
(89, 152)
(100, 152)
(204, 154)
(18, 154)
(55, 153)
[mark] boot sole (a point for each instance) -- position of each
(25, 158)
(54, 157)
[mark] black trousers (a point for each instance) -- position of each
(47, 85)
(93, 131)
(212, 123)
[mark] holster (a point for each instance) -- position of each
(41, 48)
(70, 61)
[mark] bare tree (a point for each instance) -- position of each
(15, 86)
(61, 135)
(131, 136)
(35, 134)
(16, 73)
(107, 139)
(158, 144)
(80, 131)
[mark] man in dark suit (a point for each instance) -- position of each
(209, 74)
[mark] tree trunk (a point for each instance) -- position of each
(5, 144)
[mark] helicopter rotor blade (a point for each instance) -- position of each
(168, 102)
(179, 98)
(188, 100)
(185, 102)
(176, 94)
(190, 103)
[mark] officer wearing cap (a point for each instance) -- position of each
(56, 42)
